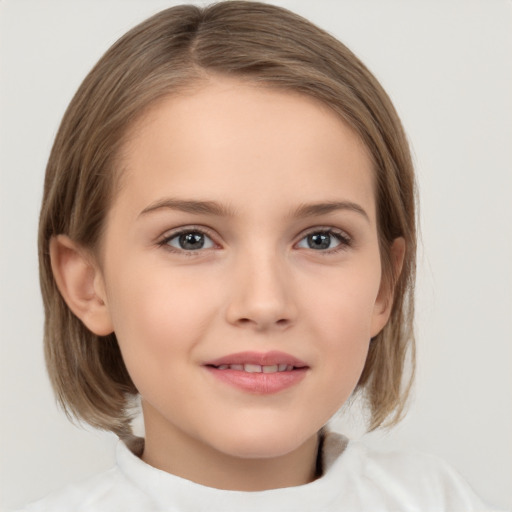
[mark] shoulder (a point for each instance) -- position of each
(400, 480)
(106, 491)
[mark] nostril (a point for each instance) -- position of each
(282, 322)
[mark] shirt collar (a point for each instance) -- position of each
(168, 490)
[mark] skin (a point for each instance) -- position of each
(256, 285)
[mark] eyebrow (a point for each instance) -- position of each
(317, 209)
(219, 210)
(190, 206)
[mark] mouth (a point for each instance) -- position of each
(258, 373)
(258, 362)
(256, 368)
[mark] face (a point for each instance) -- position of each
(240, 267)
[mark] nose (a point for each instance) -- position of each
(262, 293)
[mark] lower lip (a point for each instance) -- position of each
(259, 383)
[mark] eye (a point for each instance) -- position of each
(324, 241)
(192, 240)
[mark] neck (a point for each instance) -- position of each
(175, 452)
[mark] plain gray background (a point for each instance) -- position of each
(447, 65)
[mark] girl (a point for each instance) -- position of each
(228, 233)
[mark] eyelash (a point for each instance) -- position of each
(345, 241)
(164, 242)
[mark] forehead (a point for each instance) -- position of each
(226, 138)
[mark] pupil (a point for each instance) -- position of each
(319, 241)
(192, 241)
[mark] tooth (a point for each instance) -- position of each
(239, 367)
(223, 367)
(252, 368)
(289, 368)
(282, 367)
(270, 369)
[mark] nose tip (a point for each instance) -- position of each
(262, 297)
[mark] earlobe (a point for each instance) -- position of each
(384, 302)
(81, 284)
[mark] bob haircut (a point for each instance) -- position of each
(166, 54)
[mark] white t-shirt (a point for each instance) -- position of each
(355, 479)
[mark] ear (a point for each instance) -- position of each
(384, 301)
(80, 283)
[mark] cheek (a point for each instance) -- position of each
(344, 301)
(158, 314)
(344, 353)
(341, 323)
(345, 339)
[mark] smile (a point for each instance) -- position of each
(258, 373)
(256, 368)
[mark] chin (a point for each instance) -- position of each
(261, 443)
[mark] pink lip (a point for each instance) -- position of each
(259, 383)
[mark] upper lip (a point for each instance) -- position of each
(260, 358)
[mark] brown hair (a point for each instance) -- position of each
(161, 56)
